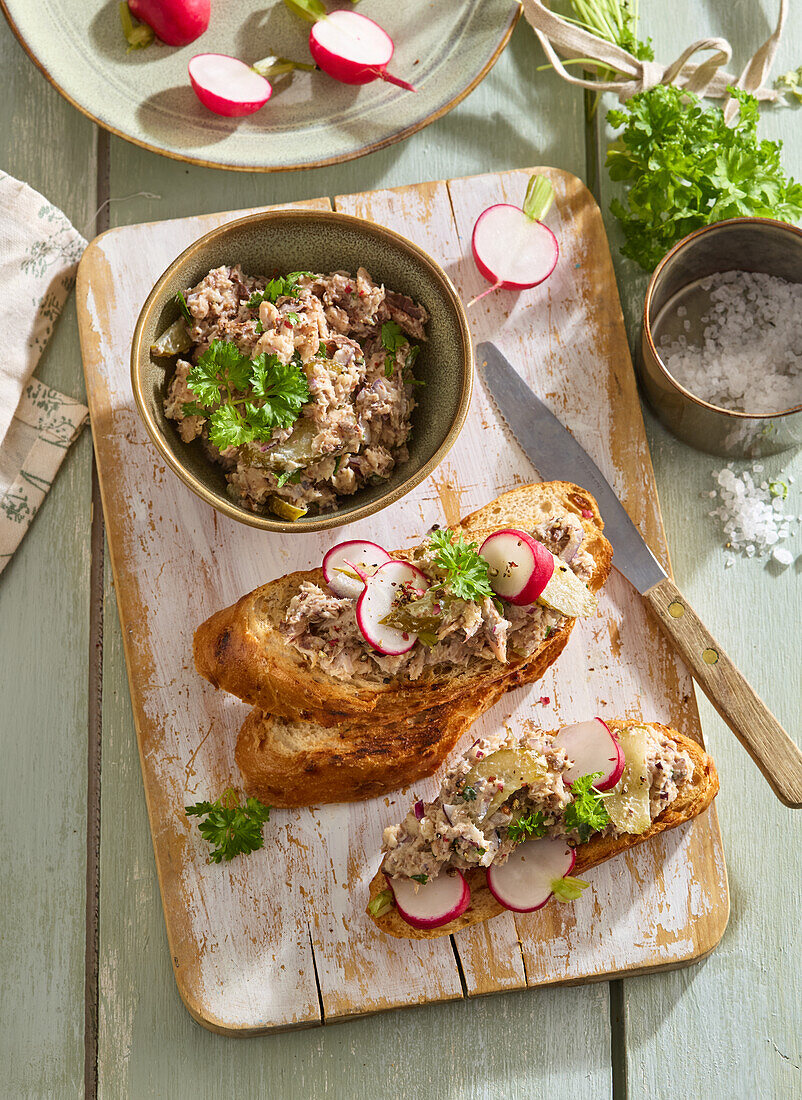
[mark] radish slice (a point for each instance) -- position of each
(593, 748)
(520, 567)
(512, 247)
(176, 22)
(433, 903)
(353, 49)
(226, 85)
(359, 557)
(522, 570)
(526, 881)
(376, 602)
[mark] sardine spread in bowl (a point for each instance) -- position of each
(300, 386)
(310, 401)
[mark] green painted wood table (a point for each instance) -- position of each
(89, 1005)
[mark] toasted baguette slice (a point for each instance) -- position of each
(694, 797)
(297, 762)
(241, 650)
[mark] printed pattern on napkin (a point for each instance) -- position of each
(39, 251)
(41, 431)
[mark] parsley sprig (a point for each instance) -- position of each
(393, 339)
(527, 825)
(587, 813)
(466, 573)
(244, 399)
(283, 286)
(230, 828)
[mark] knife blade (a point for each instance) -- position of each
(557, 456)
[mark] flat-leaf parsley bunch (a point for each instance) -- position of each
(245, 400)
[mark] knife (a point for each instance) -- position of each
(558, 457)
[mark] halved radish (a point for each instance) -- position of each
(522, 570)
(376, 603)
(593, 748)
(176, 22)
(353, 49)
(226, 85)
(355, 556)
(526, 881)
(512, 247)
(520, 567)
(433, 903)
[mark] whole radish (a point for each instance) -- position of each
(353, 49)
(512, 247)
(175, 22)
(226, 85)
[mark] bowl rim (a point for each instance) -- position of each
(327, 520)
(736, 414)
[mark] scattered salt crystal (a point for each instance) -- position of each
(753, 520)
(751, 358)
(783, 556)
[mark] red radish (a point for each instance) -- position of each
(512, 247)
(376, 603)
(520, 566)
(176, 22)
(522, 570)
(527, 880)
(432, 903)
(593, 748)
(353, 49)
(363, 558)
(226, 85)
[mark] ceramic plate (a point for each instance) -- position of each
(444, 47)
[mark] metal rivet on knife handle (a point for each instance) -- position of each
(741, 708)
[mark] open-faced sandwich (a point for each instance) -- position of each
(519, 817)
(347, 664)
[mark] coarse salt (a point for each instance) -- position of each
(751, 357)
(752, 515)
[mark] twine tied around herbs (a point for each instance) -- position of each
(707, 78)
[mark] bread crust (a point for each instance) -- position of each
(694, 797)
(240, 649)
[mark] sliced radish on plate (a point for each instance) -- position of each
(527, 880)
(522, 570)
(345, 560)
(176, 22)
(353, 49)
(593, 748)
(512, 247)
(433, 903)
(376, 603)
(226, 85)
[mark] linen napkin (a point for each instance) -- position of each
(39, 252)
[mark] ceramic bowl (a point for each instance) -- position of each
(307, 240)
(744, 244)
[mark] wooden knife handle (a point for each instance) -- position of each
(744, 712)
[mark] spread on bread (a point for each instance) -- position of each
(517, 808)
(299, 386)
(447, 602)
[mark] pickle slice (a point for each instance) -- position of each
(284, 510)
(173, 341)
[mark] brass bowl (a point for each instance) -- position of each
(743, 244)
(309, 240)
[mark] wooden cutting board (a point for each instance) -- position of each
(280, 939)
